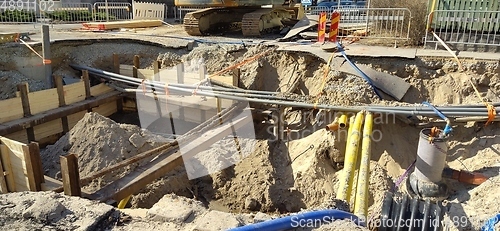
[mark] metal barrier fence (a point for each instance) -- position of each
(383, 23)
(113, 11)
(25, 11)
(463, 27)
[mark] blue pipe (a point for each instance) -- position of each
(490, 224)
(339, 46)
(301, 220)
(447, 129)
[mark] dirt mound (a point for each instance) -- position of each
(49, 210)
(215, 57)
(9, 81)
(278, 179)
(99, 142)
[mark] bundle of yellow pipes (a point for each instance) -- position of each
(358, 133)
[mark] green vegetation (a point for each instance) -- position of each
(17, 16)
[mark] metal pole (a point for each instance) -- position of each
(46, 55)
(107, 11)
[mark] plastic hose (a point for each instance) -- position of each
(300, 220)
(358, 70)
(490, 224)
(447, 129)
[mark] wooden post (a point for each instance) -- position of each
(156, 77)
(3, 182)
(156, 67)
(86, 83)
(62, 102)
(33, 163)
(202, 71)
(116, 63)
(23, 91)
(236, 77)
(137, 65)
(47, 55)
(70, 175)
(180, 73)
(5, 156)
(218, 101)
(180, 79)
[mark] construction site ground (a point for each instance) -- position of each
(267, 184)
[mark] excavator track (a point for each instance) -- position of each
(259, 22)
(252, 25)
(191, 25)
(252, 21)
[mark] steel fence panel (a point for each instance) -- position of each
(112, 11)
(18, 11)
(464, 27)
(390, 23)
(63, 12)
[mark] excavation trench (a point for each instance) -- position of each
(275, 176)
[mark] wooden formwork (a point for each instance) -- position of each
(21, 167)
(43, 115)
(187, 108)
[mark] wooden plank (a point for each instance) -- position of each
(11, 109)
(106, 109)
(12, 145)
(70, 175)
(49, 128)
(44, 100)
(86, 83)
(156, 70)
(180, 73)
(116, 63)
(74, 118)
(74, 92)
(50, 184)
(13, 160)
(122, 24)
(18, 136)
(41, 118)
(58, 81)
(23, 90)
(137, 65)
(100, 89)
(36, 161)
(3, 182)
(137, 179)
(32, 169)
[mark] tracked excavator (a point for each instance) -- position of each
(253, 17)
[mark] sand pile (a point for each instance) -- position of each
(99, 142)
(278, 179)
(9, 81)
(52, 211)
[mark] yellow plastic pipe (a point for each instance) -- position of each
(124, 202)
(361, 201)
(343, 121)
(351, 153)
(334, 126)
